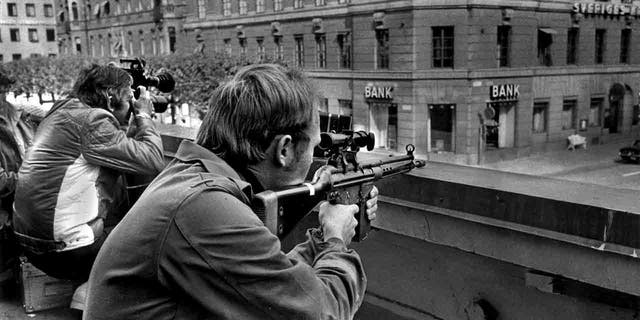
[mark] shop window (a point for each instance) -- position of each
(595, 112)
(600, 45)
(321, 51)
(441, 124)
(625, 45)
(346, 114)
(279, 49)
(51, 35)
(299, 50)
(545, 39)
(226, 8)
(636, 115)
(504, 42)
(12, 11)
(277, 5)
(573, 35)
(242, 7)
(298, 4)
(260, 43)
(344, 49)
(16, 56)
(320, 3)
(30, 9)
(259, 6)
(569, 114)
(382, 48)
(48, 10)
(14, 35)
(540, 117)
(442, 47)
(33, 35)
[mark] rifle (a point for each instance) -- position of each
(346, 181)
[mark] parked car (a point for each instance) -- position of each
(631, 153)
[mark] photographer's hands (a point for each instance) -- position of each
(143, 107)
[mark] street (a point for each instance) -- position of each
(615, 174)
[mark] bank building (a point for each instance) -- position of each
(464, 81)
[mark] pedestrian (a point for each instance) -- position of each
(71, 180)
(192, 248)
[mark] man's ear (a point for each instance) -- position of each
(284, 152)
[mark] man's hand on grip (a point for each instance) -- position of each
(338, 221)
(143, 104)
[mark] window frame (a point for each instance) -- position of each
(573, 104)
(544, 105)
(321, 50)
(573, 42)
(625, 45)
(439, 35)
(598, 113)
(14, 35)
(30, 9)
(298, 50)
(344, 50)
(12, 9)
(382, 50)
(48, 10)
(504, 45)
(33, 35)
(600, 45)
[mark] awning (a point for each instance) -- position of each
(548, 30)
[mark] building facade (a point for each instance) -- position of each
(118, 28)
(465, 81)
(27, 29)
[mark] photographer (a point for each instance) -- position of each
(192, 248)
(71, 181)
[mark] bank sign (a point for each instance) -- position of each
(375, 92)
(605, 8)
(504, 91)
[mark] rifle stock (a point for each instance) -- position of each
(281, 210)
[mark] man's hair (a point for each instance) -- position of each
(258, 103)
(94, 83)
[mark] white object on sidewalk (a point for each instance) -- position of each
(576, 140)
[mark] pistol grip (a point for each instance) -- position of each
(357, 195)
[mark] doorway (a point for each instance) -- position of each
(441, 127)
(383, 122)
(500, 126)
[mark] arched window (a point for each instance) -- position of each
(74, 11)
(107, 8)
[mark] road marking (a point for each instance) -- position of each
(631, 174)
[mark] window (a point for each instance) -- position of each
(343, 1)
(636, 115)
(321, 51)
(242, 6)
(298, 4)
(243, 46)
(573, 34)
(31, 9)
(48, 10)
(595, 111)
(226, 7)
(299, 50)
(540, 117)
(14, 34)
(33, 35)
(12, 10)
(52, 55)
(320, 2)
(442, 47)
(344, 50)
(227, 46)
(625, 45)
(279, 51)
(260, 42)
(324, 105)
(34, 55)
(545, 39)
(600, 45)
(102, 44)
(1, 58)
(202, 9)
(107, 8)
(382, 48)
(16, 56)
(259, 5)
(569, 114)
(277, 5)
(346, 114)
(141, 43)
(74, 11)
(130, 42)
(78, 45)
(504, 41)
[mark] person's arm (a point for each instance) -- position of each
(104, 144)
(219, 245)
(8, 181)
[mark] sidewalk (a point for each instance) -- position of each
(562, 161)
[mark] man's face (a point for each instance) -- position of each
(120, 104)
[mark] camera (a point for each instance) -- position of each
(163, 82)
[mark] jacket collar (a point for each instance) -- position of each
(189, 151)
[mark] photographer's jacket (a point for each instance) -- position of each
(71, 174)
(192, 248)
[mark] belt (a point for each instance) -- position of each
(37, 245)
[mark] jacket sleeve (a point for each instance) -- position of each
(236, 255)
(104, 144)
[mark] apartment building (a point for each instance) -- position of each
(118, 28)
(27, 29)
(464, 81)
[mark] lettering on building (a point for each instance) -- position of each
(375, 92)
(505, 91)
(611, 9)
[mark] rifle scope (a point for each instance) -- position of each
(354, 140)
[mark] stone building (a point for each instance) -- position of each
(465, 81)
(118, 28)
(27, 29)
